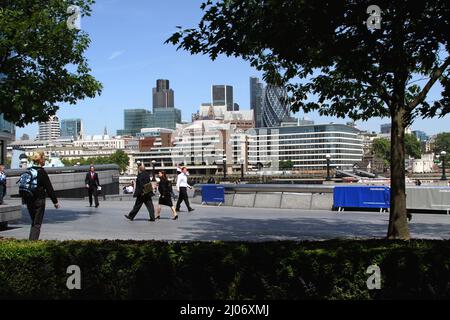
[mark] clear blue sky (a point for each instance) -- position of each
(128, 54)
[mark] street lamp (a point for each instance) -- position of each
(328, 156)
(443, 154)
(241, 160)
(153, 165)
(224, 167)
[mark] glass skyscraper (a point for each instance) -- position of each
(72, 128)
(163, 96)
(137, 119)
(223, 96)
(256, 100)
(276, 108)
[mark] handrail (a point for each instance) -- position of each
(59, 170)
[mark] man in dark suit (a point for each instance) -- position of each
(92, 184)
(142, 179)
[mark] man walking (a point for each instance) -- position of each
(2, 183)
(182, 186)
(142, 195)
(92, 184)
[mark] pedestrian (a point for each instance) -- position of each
(182, 186)
(211, 180)
(92, 185)
(165, 195)
(2, 183)
(34, 186)
(418, 182)
(143, 195)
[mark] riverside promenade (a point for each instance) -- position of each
(77, 221)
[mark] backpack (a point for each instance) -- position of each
(28, 183)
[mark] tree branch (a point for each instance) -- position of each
(434, 77)
(383, 94)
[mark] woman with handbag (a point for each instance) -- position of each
(165, 198)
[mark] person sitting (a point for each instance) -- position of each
(129, 189)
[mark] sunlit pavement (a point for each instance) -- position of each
(76, 220)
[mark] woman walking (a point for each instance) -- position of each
(39, 186)
(165, 198)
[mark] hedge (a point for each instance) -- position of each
(225, 270)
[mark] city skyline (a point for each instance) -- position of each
(128, 55)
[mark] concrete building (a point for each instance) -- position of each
(306, 146)
(7, 134)
(423, 165)
(50, 130)
(72, 128)
(99, 142)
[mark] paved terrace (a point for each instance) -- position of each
(76, 220)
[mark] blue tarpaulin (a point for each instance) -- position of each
(362, 197)
(213, 193)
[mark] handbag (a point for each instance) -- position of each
(148, 188)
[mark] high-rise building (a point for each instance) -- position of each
(420, 135)
(7, 134)
(50, 130)
(222, 95)
(276, 108)
(163, 96)
(164, 118)
(134, 120)
(72, 128)
(256, 100)
(385, 128)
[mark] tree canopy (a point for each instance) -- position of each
(325, 55)
(41, 59)
(119, 157)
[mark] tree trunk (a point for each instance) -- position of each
(398, 226)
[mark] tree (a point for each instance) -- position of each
(286, 165)
(442, 143)
(323, 48)
(381, 147)
(41, 59)
(119, 157)
(413, 147)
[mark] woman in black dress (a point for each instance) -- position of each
(165, 198)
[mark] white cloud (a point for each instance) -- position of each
(116, 54)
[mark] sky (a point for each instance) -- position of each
(127, 55)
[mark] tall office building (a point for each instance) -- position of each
(256, 100)
(222, 95)
(50, 130)
(164, 118)
(72, 128)
(163, 96)
(134, 121)
(7, 134)
(276, 108)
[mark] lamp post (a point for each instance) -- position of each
(241, 160)
(153, 165)
(328, 156)
(224, 168)
(443, 154)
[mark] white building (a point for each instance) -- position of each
(100, 142)
(423, 165)
(50, 130)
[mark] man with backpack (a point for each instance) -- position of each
(143, 195)
(34, 186)
(2, 183)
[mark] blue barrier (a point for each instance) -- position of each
(213, 193)
(362, 197)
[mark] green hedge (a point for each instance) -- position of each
(224, 270)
